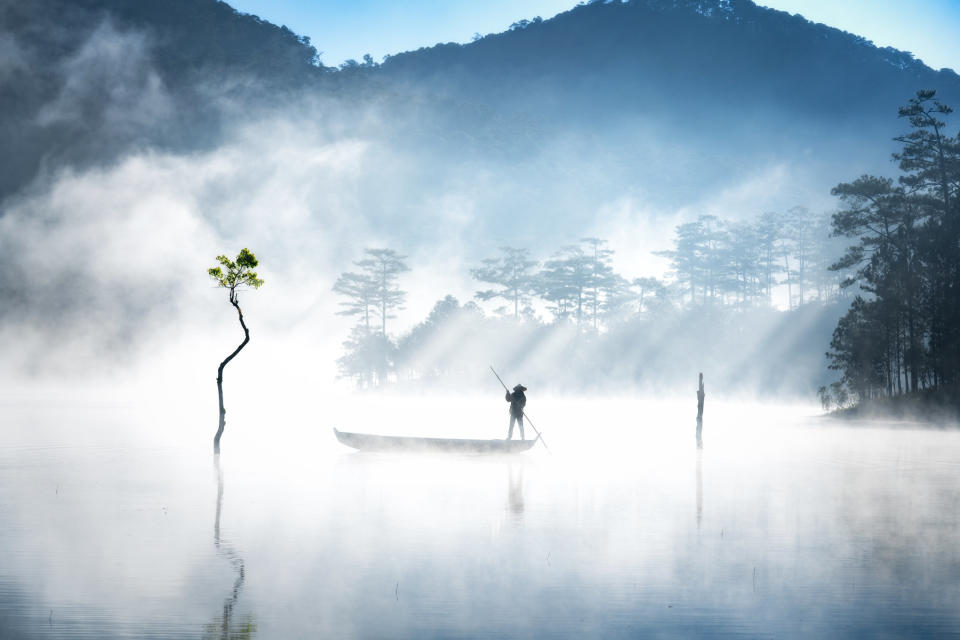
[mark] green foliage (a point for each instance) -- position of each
(232, 274)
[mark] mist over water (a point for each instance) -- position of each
(118, 522)
(134, 168)
(106, 258)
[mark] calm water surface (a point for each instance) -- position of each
(116, 522)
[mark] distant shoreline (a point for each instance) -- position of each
(935, 407)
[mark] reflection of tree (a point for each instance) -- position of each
(223, 627)
(699, 486)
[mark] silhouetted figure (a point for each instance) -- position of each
(700, 396)
(517, 402)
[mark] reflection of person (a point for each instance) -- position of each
(515, 495)
(517, 402)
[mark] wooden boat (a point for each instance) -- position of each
(368, 442)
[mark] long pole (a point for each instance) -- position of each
(539, 435)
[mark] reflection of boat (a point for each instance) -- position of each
(368, 442)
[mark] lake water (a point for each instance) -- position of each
(118, 522)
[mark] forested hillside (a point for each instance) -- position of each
(708, 132)
(700, 56)
(647, 90)
(693, 65)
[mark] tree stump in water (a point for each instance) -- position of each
(700, 396)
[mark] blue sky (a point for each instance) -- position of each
(344, 29)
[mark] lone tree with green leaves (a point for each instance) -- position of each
(233, 275)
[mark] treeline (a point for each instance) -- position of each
(742, 263)
(719, 269)
(902, 333)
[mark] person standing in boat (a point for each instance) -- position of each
(517, 402)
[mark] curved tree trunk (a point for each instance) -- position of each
(246, 339)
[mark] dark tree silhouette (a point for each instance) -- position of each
(233, 275)
(930, 162)
(903, 334)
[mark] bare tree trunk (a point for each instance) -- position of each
(596, 295)
(383, 301)
(700, 397)
(786, 267)
(246, 339)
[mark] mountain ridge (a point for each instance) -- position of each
(724, 78)
(670, 42)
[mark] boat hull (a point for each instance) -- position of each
(369, 442)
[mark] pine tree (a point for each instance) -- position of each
(513, 272)
(383, 267)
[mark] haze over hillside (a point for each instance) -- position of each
(159, 133)
(671, 97)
